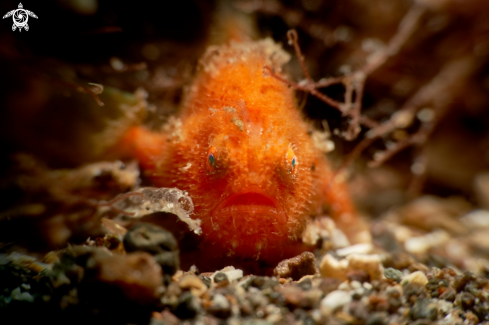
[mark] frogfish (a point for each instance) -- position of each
(244, 155)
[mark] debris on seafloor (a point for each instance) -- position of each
(341, 269)
(147, 200)
(96, 285)
(323, 230)
(297, 267)
(70, 186)
(156, 241)
(439, 231)
(58, 200)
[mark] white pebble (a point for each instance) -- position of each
(355, 249)
(234, 275)
(344, 286)
(367, 286)
(476, 219)
(330, 267)
(355, 285)
(220, 301)
(423, 243)
(333, 301)
(371, 264)
(415, 277)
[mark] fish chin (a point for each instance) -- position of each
(250, 223)
(252, 204)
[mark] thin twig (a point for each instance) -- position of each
(326, 99)
(355, 82)
(323, 83)
(406, 28)
(416, 138)
(354, 85)
(443, 86)
(357, 85)
(440, 93)
(293, 40)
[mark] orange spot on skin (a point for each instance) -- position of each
(255, 176)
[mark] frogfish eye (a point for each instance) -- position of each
(291, 161)
(211, 158)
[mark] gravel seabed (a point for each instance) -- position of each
(131, 280)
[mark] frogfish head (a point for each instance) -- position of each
(250, 161)
(251, 183)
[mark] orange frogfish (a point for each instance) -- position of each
(244, 155)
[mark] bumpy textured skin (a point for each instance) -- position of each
(248, 122)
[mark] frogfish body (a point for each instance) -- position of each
(244, 155)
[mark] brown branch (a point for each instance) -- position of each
(355, 82)
(293, 40)
(440, 92)
(326, 99)
(357, 86)
(406, 28)
(440, 89)
(306, 88)
(326, 82)
(416, 138)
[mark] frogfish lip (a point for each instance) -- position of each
(252, 201)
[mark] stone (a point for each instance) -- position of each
(297, 267)
(393, 274)
(417, 277)
(193, 283)
(188, 307)
(424, 309)
(220, 306)
(18, 295)
(371, 264)
(156, 241)
(476, 219)
(421, 244)
(363, 248)
(333, 301)
(377, 318)
(230, 272)
(219, 277)
(330, 267)
(137, 275)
